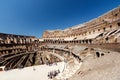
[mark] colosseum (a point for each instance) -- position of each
(88, 51)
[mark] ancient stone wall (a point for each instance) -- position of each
(10, 43)
(106, 23)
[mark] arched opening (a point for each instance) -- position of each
(98, 30)
(89, 32)
(116, 15)
(90, 41)
(110, 26)
(97, 54)
(102, 54)
(106, 39)
(86, 41)
(83, 41)
(104, 29)
(118, 24)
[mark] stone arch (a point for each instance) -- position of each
(110, 26)
(82, 41)
(86, 41)
(106, 39)
(102, 54)
(118, 23)
(97, 54)
(90, 41)
(104, 29)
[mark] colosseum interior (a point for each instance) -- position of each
(88, 51)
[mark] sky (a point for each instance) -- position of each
(33, 17)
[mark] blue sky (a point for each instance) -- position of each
(33, 17)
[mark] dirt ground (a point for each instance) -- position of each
(106, 67)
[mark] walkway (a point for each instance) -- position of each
(30, 73)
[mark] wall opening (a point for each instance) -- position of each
(104, 29)
(97, 54)
(118, 24)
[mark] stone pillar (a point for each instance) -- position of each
(13, 51)
(3, 52)
(7, 52)
(8, 40)
(15, 40)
